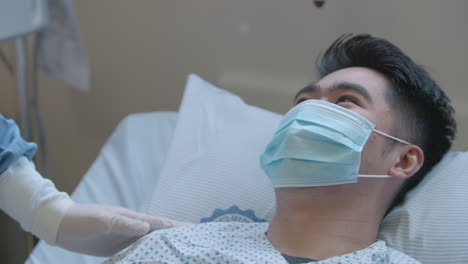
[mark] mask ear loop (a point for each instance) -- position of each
(373, 176)
(392, 137)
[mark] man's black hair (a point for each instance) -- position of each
(424, 110)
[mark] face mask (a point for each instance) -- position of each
(318, 144)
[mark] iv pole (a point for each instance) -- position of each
(18, 18)
(22, 83)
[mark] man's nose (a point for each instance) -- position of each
(325, 98)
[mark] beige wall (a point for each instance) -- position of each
(264, 50)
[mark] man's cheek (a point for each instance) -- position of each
(371, 140)
(369, 156)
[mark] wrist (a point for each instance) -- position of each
(32, 200)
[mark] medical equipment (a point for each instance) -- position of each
(194, 166)
(319, 3)
(17, 19)
(57, 50)
(21, 17)
(318, 144)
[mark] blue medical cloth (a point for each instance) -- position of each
(12, 145)
(234, 242)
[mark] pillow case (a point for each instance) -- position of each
(432, 224)
(212, 173)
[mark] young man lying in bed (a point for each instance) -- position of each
(357, 140)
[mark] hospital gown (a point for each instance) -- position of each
(233, 242)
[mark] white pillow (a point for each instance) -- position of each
(432, 224)
(212, 173)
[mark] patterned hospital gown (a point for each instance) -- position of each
(226, 243)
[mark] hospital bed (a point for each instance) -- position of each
(201, 164)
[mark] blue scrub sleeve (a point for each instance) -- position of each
(12, 145)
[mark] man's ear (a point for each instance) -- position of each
(408, 160)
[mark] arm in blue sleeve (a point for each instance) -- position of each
(12, 145)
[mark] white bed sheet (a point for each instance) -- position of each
(430, 226)
(119, 176)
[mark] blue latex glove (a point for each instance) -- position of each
(12, 145)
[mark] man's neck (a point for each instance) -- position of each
(321, 229)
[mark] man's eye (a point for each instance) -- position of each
(298, 101)
(346, 99)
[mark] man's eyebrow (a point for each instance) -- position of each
(361, 90)
(308, 89)
(345, 86)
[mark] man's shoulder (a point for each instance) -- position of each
(210, 237)
(378, 252)
(219, 227)
(397, 257)
(214, 230)
(212, 242)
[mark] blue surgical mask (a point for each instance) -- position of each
(318, 144)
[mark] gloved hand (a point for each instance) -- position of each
(103, 230)
(51, 215)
